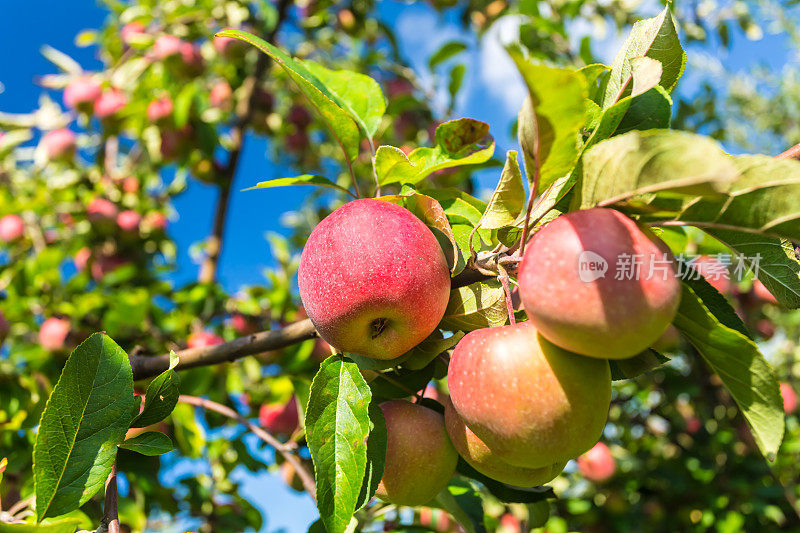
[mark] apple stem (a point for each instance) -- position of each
(503, 276)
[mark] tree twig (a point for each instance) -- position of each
(791, 153)
(507, 291)
(285, 450)
(110, 522)
(208, 269)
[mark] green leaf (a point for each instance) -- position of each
(445, 52)
(304, 179)
(189, 435)
(480, 305)
(716, 303)
(743, 370)
(376, 455)
(85, 419)
(646, 111)
(149, 443)
(426, 351)
(458, 142)
(160, 398)
(68, 525)
(553, 116)
(655, 38)
(653, 161)
(774, 259)
(337, 423)
(456, 79)
(764, 199)
(636, 365)
(464, 504)
(508, 198)
(359, 95)
(183, 104)
(331, 108)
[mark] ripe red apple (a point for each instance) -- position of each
(533, 404)
(509, 524)
(131, 31)
(438, 520)
(11, 228)
(53, 333)
(81, 92)
(597, 464)
(420, 459)
(82, 257)
(100, 210)
(221, 95)
(715, 272)
(201, 339)
(243, 324)
(373, 279)
(58, 143)
(160, 108)
(156, 221)
(165, 46)
(299, 116)
(129, 220)
(789, 398)
(480, 457)
(570, 291)
(109, 103)
(693, 425)
(191, 56)
(130, 185)
(280, 419)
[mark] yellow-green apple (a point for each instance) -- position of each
(201, 339)
(58, 144)
(11, 228)
(597, 464)
(420, 459)
(789, 398)
(81, 93)
(480, 457)
(280, 418)
(594, 283)
(53, 333)
(531, 402)
(373, 279)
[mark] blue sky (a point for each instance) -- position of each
(493, 92)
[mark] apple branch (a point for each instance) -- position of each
(507, 291)
(208, 270)
(285, 450)
(149, 366)
(110, 522)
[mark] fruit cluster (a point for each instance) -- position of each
(525, 398)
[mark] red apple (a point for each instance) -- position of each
(299, 116)
(58, 143)
(81, 258)
(109, 103)
(201, 339)
(597, 464)
(156, 221)
(532, 403)
(243, 324)
(570, 291)
(373, 279)
(11, 228)
(129, 220)
(191, 56)
(693, 425)
(105, 264)
(509, 524)
(100, 210)
(53, 333)
(420, 459)
(715, 272)
(166, 46)
(131, 31)
(280, 419)
(159, 108)
(481, 458)
(789, 398)
(130, 185)
(81, 92)
(762, 293)
(221, 95)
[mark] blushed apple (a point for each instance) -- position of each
(221, 95)
(110, 103)
(100, 210)
(81, 258)
(597, 464)
(53, 333)
(58, 144)
(131, 31)
(532, 403)
(762, 293)
(243, 324)
(160, 108)
(156, 221)
(279, 418)
(129, 220)
(373, 279)
(715, 272)
(481, 458)
(202, 339)
(165, 46)
(81, 92)
(11, 228)
(579, 293)
(420, 459)
(789, 398)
